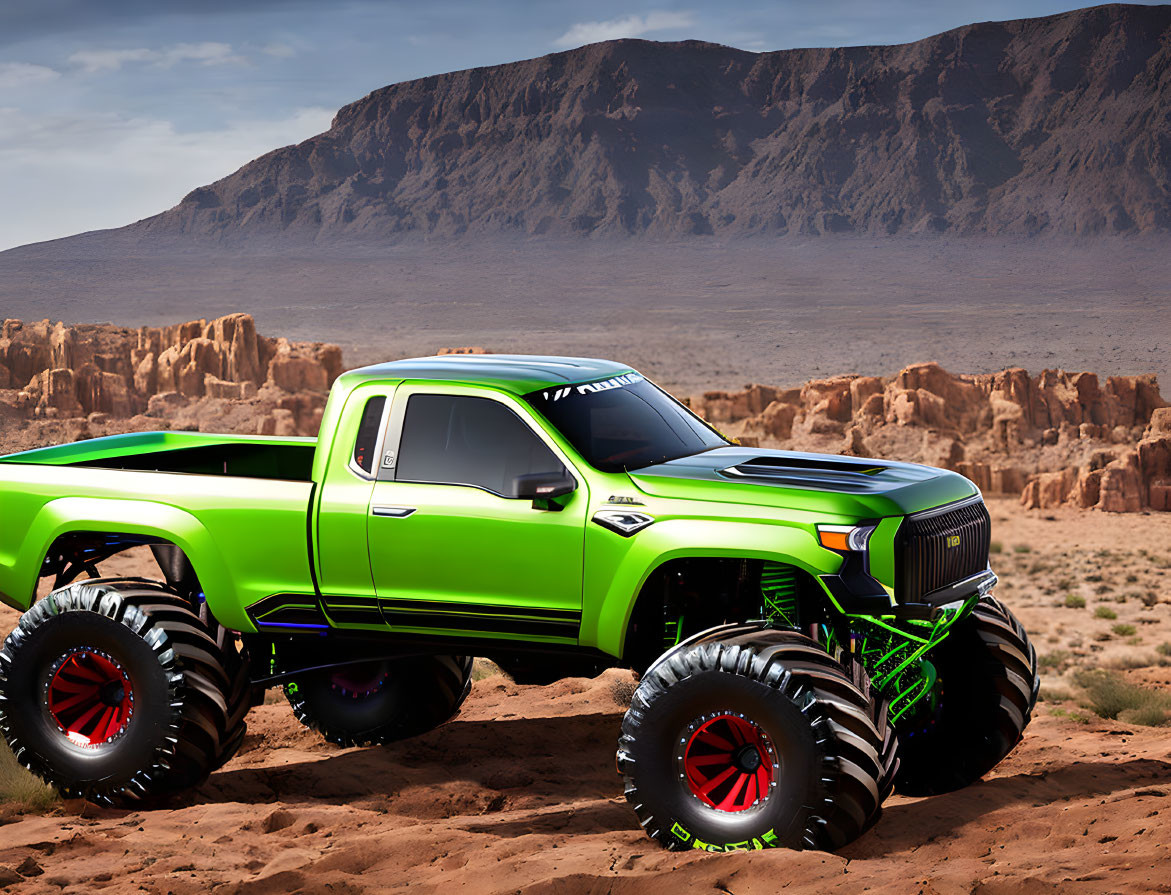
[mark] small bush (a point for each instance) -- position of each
(1056, 659)
(1124, 630)
(1150, 599)
(1103, 588)
(1094, 579)
(1075, 601)
(1163, 649)
(20, 788)
(1073, 716)
(1021, 548)
(996, 547)
(1131, 578)
(485, 668)
(1131, 661)
(1111, 696)
(1105, 612)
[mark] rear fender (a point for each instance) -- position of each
(138, 517)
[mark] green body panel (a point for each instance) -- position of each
(245, 537)
(463, 549)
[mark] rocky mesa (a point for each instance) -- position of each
(1054, 438)
(1051, 125)
(61, 382)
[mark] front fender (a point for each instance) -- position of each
(140, 517)
(610, 601)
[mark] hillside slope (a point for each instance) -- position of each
(1054, 125)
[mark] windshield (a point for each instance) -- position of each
(624, 422)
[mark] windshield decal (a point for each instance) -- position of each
(591, 387)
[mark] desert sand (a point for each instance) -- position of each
(519, 793)
(705, 314)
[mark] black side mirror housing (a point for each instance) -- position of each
(543, 487)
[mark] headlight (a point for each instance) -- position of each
(845, 538)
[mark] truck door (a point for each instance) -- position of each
(343, 563)
(452, 548)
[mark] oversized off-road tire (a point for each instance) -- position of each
(757, 741)
(986, 689)
(119, 690)
(381, 701)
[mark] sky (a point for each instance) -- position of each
(113, 110)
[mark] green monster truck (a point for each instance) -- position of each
(795, 617)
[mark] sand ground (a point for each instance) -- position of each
(519, 793)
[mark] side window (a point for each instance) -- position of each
(457, 440)
(367, 441)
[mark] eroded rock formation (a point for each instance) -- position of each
(220, 373)
(1055, 438)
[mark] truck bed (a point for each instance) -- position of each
(196, 453)
(209, 494)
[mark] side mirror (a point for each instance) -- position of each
(543, 486)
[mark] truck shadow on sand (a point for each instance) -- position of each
(549, 767)
(477, 765)
(910, 824)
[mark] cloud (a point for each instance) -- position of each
(22, 74)
(628, 26)
(207, 53)
(65, 174)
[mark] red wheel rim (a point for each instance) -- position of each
(728, 762)
(359, 681)
(90, 697)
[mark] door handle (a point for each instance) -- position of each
(392, 512)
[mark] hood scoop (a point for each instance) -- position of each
(807, 471)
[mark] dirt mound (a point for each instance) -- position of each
(1054, 438)
(1048, 125)
(63, 383)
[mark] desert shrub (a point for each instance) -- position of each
(1073, 716)
(1103, 588)
(996, 547)
(1021, 548)
(1109, 695)
(1065, 584)
(1131, 578)
(1131, 661)
(1150, 598)
(1123, 630)
(1094, 578)
(21, 789)
(1075, 601)
(1056, 659)
(1105, 612)
(484, 668)
(1163, 649)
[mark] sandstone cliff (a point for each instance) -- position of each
(1055, 438)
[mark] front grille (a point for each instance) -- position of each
(928, 554)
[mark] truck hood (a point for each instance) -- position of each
(827, 483)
